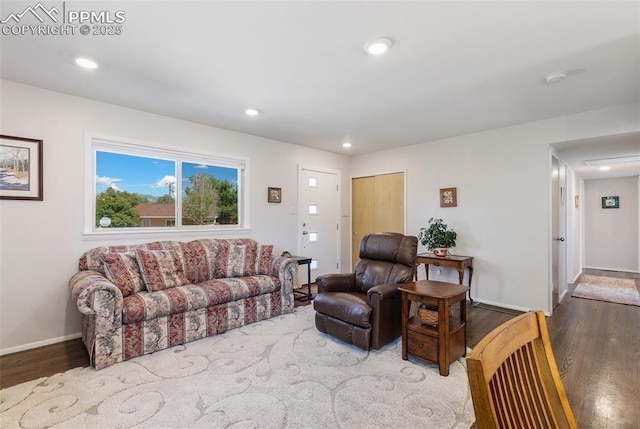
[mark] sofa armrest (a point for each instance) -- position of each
(336, 283)
(385, 291)
(96, 296)
(285, 270)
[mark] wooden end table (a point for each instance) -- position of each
(446, 342)
(458, 262)
(303, 260)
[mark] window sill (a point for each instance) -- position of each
(155, 233)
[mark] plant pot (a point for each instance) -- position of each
(441, 252)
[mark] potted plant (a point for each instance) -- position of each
(437, 237)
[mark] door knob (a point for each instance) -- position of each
(304, 233)
(560, 239)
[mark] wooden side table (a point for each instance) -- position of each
(303, 260)
(458, 262)
(446, 342)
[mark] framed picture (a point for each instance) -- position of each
(448, 197)
(274, 195)
(611, 202)
(20, 168)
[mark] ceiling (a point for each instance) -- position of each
(455, 67)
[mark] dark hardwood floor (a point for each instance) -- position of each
(596, 345)
(597, 348)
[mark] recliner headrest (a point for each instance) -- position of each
(389, 246)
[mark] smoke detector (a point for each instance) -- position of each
(556, 76)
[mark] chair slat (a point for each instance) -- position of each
(514, 380)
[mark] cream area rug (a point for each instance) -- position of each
(278, 373)
(610, 289)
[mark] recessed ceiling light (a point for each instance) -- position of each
(556, 76)
(346, 145)
(86, 63)
(605, 168)
(378, 46)
(252, 111)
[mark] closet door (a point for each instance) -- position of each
(377, 205)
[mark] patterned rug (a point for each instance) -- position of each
(609, 289)
(278, 373)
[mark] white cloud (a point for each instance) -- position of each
(203, 166)
(165, 181)
(114, 187)
(109, 182)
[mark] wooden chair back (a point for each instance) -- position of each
(514, 379)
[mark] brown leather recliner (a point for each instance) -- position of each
(364, 308)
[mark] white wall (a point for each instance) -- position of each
(40, 242)
(611, 235)
(574, 228)
(502, 216)
(504, 210)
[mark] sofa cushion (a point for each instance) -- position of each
(263, 258)
(207, 254)
(90, 260)
(161, 269)
(151, 305)
(122, 270)
(235, 260)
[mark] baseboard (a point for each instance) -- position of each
(502, 305)
(563, 295)
(575, 279)
(37, 344)
(622, 270)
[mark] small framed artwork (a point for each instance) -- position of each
(576, 201)
(20, 168)
(448, 197)
(274, 195)
(611, 202)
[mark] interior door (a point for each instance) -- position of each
(377, 205)
(363, 209)
(319, 220)
(558, 248)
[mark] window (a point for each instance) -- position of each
(136, 186)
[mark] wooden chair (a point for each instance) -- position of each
(514, 379)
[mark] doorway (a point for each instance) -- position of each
(377, 205)
(319, 219)
(558, 231)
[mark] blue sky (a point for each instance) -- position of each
(148, 176)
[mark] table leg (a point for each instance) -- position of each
(444, 344)
(470, 275)
(309, 280)
(405, 318)
(426, 270)
(463, 320)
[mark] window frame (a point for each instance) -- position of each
(95, 143)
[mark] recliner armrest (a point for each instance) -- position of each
(385, 291)
(336, 283)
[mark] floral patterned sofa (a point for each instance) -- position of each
(138, 299)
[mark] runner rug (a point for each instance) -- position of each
(278, 373)
(609, 289)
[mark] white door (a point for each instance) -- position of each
(319, 220)
(558, 226)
